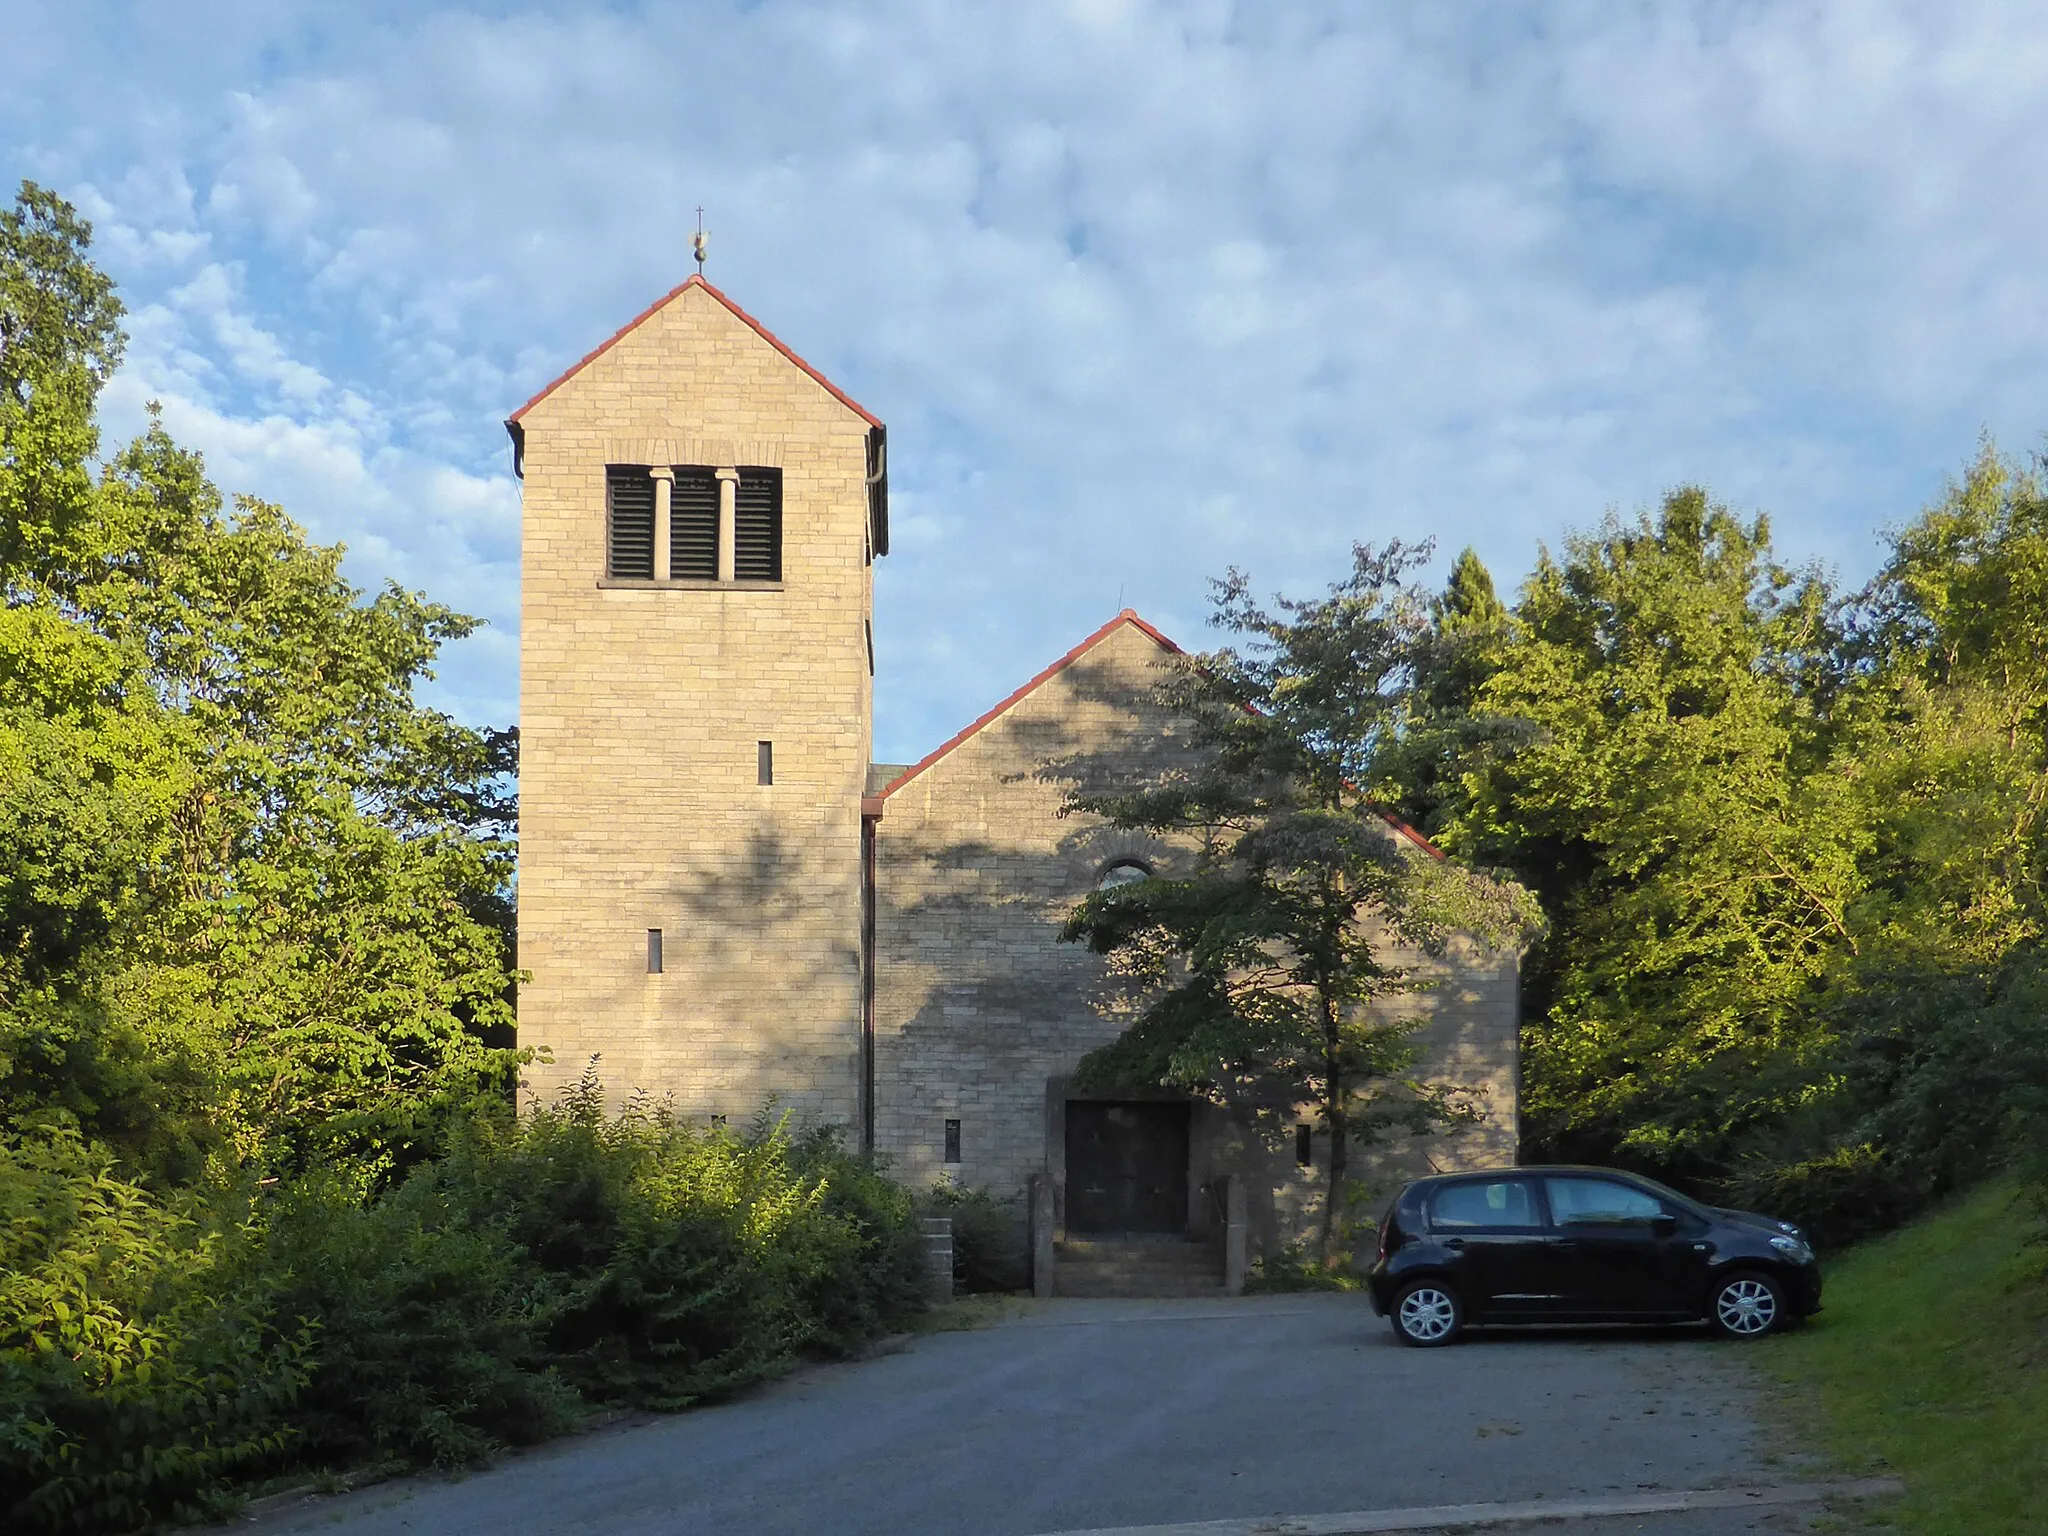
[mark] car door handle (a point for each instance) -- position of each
(1455, 1244)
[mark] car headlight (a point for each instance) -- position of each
(1793, 1249)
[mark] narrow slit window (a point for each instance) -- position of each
(757, 525)
(764, 762)
(693, 524)
(629, 522)
(1304, 1145)
(952, 1141)
(654, 951)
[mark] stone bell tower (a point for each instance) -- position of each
(701, 513)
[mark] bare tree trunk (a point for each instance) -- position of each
(1340, 1138)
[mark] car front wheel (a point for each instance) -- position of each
(1426, 1314)
(1747, 1306)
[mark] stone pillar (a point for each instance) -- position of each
(1236, 1236)
(728, 499)
(938, 1256)
(1042, 1251)
(664, 490)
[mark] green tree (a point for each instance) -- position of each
(1932, 1054)
(1262, 966)
(1963, 600)
(1662, 797)
(60, 340)
(1468, 600)
(256, 895)
(1467, 638)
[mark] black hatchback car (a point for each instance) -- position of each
(1581, 1245)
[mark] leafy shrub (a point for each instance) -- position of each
(541, 1264)
(883, 1278)
(427, 1348)
(1937, 1079)
(141, 1366)
(989, 1239)
(679, 1264)
(1296, 1267)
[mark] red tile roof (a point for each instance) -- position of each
(695, 281)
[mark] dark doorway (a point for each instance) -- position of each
(1127, 1167)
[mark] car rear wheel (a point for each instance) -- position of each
(1426, 1314)
(1747, 1306)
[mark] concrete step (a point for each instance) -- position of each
(1100, 1285)
(1137, 1267)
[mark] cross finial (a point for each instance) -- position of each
(700, 242)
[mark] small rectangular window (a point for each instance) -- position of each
(629, 521)
(1304, 1145)
(952, 1141)
(693, 524)
(757, 525)
(764, 762)
(654, 951)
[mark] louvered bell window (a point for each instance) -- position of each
(629, 521)
(693, 525)
(757, 526)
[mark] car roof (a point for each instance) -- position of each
(1522, 1170)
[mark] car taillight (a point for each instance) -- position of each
(1386, 1226)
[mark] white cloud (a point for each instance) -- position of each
(1143, 289)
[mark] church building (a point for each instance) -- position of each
(723, 899)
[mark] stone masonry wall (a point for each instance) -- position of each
(977, 1003)
(1468, 1035)
(979, 1007)
(640, 709)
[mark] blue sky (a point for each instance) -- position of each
(1143, 290)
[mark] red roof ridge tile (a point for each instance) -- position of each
(694, 280)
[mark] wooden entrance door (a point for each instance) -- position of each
(1127, 1167)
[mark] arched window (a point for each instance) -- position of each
(1121, 872)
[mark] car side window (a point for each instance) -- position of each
(1578, 1201)
(1490, 1203)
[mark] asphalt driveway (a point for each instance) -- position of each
(1079, 1415)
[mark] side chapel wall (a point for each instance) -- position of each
(979, 1007)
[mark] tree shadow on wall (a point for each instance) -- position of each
(977, 874)
(1462, 1001)
(759, 976)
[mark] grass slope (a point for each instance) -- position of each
(1931, 1361)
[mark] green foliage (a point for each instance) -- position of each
(1789, 845)
(1934, 1079)
(60, 340)
(1258, 964)
(682, 1263)
(142, 1364)
(1695, 883)
(256, 902)
(429, 1347)
(149, 1356)
(1298, 1267)
(989, 1239)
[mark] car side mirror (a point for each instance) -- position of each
(1663, 1223)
